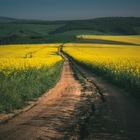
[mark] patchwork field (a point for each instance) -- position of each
(26, 71)
(119, 64)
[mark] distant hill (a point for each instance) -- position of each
(40, 31)
(27, 21)
(7, 19)
(107, 25)
(112, 25)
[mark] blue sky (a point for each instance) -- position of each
(68, 9)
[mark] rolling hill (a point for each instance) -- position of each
(40, 31)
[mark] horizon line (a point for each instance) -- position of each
(43, 19)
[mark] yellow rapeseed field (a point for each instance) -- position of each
(119, 63)
(26, 72)
(27, 56)
(128, 39)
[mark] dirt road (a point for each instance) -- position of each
(67, 112)
(54, 117)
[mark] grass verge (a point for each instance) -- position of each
(122, 80)
(21, 86)
(77, 74)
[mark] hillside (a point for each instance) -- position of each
(39, 31)
(7, 20)
(114, 25)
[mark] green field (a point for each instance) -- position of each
(26, 29)
(17, 33)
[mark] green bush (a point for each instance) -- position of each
(21, 86)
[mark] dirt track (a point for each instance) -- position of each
(66, 112)
(59, 114)
(53, 113)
